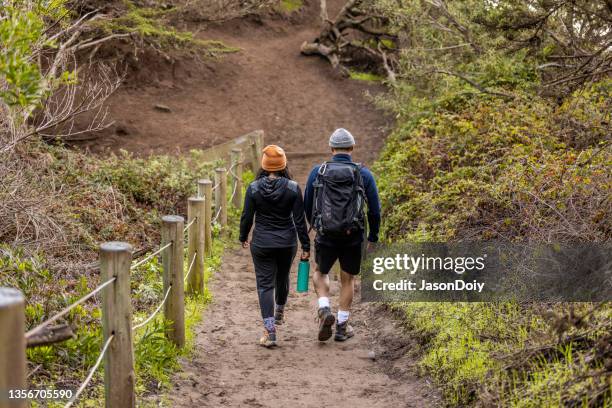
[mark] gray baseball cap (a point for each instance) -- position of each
(341, 138)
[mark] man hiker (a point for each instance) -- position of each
(336, 193)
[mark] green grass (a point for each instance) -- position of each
(479, 351)
(462, 165)
(290, 6)
(365, 76)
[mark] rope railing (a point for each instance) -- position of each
(234, 192)
(151, 256)
(193, 259)
(234, 176)
(216, 217)
(67, 309)
(190, 224)
(93, 370)
(155, 312)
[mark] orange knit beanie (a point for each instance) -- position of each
(273, 159)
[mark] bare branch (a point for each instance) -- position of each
(473, 83)
(324, 15)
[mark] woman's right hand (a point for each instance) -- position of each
(305, 255)
(245, 244)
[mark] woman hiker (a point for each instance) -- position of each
(276, 203)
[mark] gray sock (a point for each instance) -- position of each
(269, 324)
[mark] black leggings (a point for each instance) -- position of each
(272, 266)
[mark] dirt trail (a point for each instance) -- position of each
(230, 369)
(269, 86)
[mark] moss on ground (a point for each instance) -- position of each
(365, 76)
(152, 26)
(290, 6)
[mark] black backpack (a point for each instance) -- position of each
(339, 198)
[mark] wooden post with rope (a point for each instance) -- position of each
(236, 159)
(205, 190)
(12, 347)
(196, 216)
(221, 196)
(173, 264)
(119, 376)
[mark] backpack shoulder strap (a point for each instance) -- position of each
(323, 167)
(358, 167)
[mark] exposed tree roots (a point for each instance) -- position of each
(356, 36)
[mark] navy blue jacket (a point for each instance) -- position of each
(371, 193)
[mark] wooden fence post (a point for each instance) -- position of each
(255, 162)
(195, 211)
(119, 377)
(173, 264)
(259, 138)
(205, 190)
(221, 195)
(12, 347)
(237, 180)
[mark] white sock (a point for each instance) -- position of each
(323, 302)
(343, 316)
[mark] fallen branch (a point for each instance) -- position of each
(355, 32)
(50, 335)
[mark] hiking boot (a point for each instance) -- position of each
(326, 321)
(268, 340)
(279, 316)
(344, 331)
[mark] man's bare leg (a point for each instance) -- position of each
(326, 318)
(321, 283)
(347, 290)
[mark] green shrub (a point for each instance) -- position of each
(481, 151)
(497, 169)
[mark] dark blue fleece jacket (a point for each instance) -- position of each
(371, 193)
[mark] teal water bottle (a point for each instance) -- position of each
(303, 275)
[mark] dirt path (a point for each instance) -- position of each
(270, 86)
(230, 369)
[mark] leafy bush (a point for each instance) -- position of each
(485, 149)
(497, 169)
